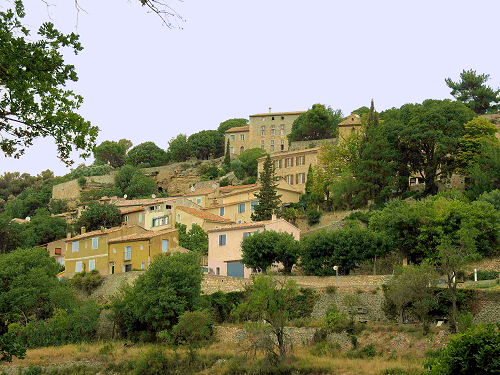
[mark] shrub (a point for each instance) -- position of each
(367, 351)
(313, 216)
(330, 289)
(221, 304)
(304, 303)
(484, 275)
(147, 154)
(326, 348)
(224, 182)
(87, 281)
(82, 181)
(475, 351)
(194, 329)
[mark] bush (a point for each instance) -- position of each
(147, 155)
(304, 303)
(331, 289)
(367, 351)
(476, 351)
(87, 281)
(221, 304)
(194, 329)
(326, 348)
(77, 325)
(484, 275)
(313, 216)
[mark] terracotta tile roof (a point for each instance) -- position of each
(204, 214)
(140, 202)
(201, 191)
(277, 114)
(238, 129)
(141, 236)
(257, 224)
(217, 205)
(288, 153)
(226, 189)
(126, 210)
(98, 232)
(350, 120)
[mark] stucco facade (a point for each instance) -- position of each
(238, 138)
(89, 251)
(349, 125)
(57, 249)
(138, 251)
(292, 166)
(224, 244)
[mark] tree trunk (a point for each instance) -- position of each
(281, 341)
(452, 289)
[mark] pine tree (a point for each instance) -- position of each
(269, 200)
(372, 116)
(227, 157)
(310, 180)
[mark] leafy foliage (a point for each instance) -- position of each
(33, 101)
(109, 152)
(195, 239)
(261, 250)
(345, 248)
(476, 351)
(147, 154)
(170, 286)
(472, 91)
(87, 281)
(319, 122)
(194, 329)
(206, 144)
(231, 123)
(99, 215)
(269, 200)
(178, 149)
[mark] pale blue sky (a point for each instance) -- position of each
(233, 58)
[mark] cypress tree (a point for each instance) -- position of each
(269, 200)
(227, 157)
(310, 180)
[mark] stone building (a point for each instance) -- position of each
(267, 131)
(349, 125)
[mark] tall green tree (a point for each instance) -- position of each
(227, 157)
(109, 152)
(269, 200)
(231, 123)
(319, 122)
(33, 100)
(178, 149)
(99, 215)
(427, 137)
(473, 92)
(147, 154)
(206, 144)
(478, 133)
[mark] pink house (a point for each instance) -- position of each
(224, 245)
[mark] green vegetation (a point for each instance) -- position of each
(269, 200)
(159, 297)
(132, 182)
(147, 154)
(98, 215)
(261, 250)
(112, 153)
(87, 281)
(319, 122)
(206, 144)
(196, 239)
(34, 101)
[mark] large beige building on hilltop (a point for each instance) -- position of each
(267, 131)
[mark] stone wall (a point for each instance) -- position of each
(303, 145)
(69, 190)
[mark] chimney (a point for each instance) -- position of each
(82, 230)
(270, 110)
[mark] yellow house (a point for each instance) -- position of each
(137, 251)
(292, 166)
(89, 250)
(206, 220)
(57, 250)
(238, 205)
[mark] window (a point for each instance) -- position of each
(241, 208)
(222, 239)
(57, 251)
(232, 137)
(127, 268)
(272, 145)
(179, 217)
(262, 145)
(221, 211)
(78, 267)
(140, 217)
(242, 137)
(143, 265)
(263, 130)
(217, 271)
(282, 129)
(282, 146)
(288, 162)
(301, 160)
(114, 250)
(128, 252)
(232, 150)
(164, 246)
(301, 178)
(198, 200)
(277, 164)
(289, 179)
(155, 208)
(142, 247)
(95, 242)
(91, 264)
(74, 246)
(125, 218)
(253, 204)
(159, 221)
(273, 130)
(60, 260)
